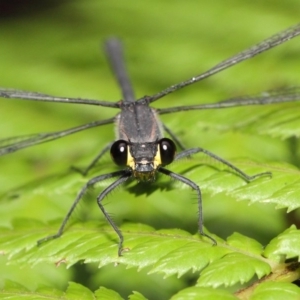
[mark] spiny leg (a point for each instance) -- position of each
(78, 198)
(247, 177)
(195, 187)
(85, 171)
(111, 187)
(174, 137)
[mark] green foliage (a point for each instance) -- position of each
(170, 252)
(12, 290)
(255, 223)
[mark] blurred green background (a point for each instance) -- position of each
(56, 48)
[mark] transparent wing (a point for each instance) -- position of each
(13, 144)
(270, 97)
(246, 54)
(24, 95)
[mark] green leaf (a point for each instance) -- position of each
(13, 290)
(14, 286)
(276, 291)
(233, 268)
(284, 246)
(107, 294)
(246, 244)
(60, 55)
(277, 190)
(236, 267)
(94, 243)
(77, 291)
(137, 296)
(196, 293)
(186, 257)
(169, 251)
(280, 120)
(282, 189)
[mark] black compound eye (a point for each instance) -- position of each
(119, 152)
(167, 151)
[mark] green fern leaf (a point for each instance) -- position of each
(276, 291)
(136, 296)
(284, 246)
(233, 268)
(164, 251)
(203, 294)
(15, 291)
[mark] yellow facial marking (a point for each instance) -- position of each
(130, 160)
(157, 158)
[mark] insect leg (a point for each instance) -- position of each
(195, 187)
(78, 198)
(125, 175)
(247, 177)
(85, 171)
(174, 137)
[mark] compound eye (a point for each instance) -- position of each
(167, 150)
(119, 152)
